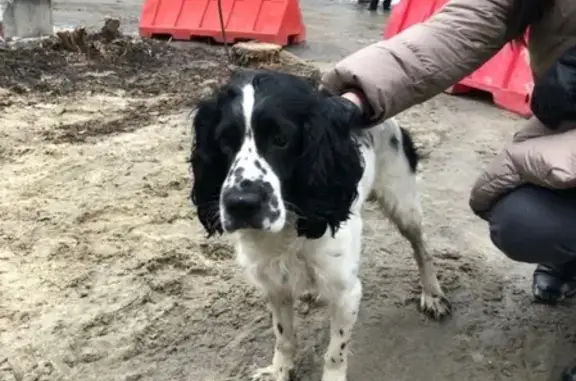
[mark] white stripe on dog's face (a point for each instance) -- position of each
(251, 197)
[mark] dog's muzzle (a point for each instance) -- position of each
(244, 206)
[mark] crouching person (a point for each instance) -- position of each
(528, 192)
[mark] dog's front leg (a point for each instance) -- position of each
(282, 307)
(343, 314)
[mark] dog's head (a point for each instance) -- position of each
(267, 147)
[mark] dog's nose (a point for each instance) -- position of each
(241, 204)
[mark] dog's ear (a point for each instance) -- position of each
(208, 163)
(329, 170)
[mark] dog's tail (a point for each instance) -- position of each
(410, 150)
(394, 143)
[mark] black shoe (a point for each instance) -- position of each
(386, 5)
(569, 374)
(373, 5)
(553, 284)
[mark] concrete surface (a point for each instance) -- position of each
(26, 18)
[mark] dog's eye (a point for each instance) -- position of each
(280, 140)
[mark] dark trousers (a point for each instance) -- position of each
(536, 225)
(374, 4)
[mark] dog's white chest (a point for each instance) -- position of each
(287, 263)
(281, 262)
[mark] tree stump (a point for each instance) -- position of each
(244, 53)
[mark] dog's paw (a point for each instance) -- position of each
(334, 374)
(271, 373)
(309, 300)
(310, 297)
(435, 307)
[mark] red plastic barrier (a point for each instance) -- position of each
(507, 76)
(273, 21)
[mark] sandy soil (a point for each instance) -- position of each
(106, 275)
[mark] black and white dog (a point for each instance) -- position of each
(282, 167)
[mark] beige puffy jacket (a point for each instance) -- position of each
(427, 58)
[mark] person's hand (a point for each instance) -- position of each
(343, 109)
(354, 98)
(358, 100)
(357, 107)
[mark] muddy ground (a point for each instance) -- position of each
(105, 274)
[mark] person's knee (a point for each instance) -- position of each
(517, 229)
(501, 238)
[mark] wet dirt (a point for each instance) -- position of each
(105, 274)
(156, 76)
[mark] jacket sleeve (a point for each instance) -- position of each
(424, 59)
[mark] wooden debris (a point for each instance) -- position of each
(75, 40)
(111, 29)
(106, 43)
